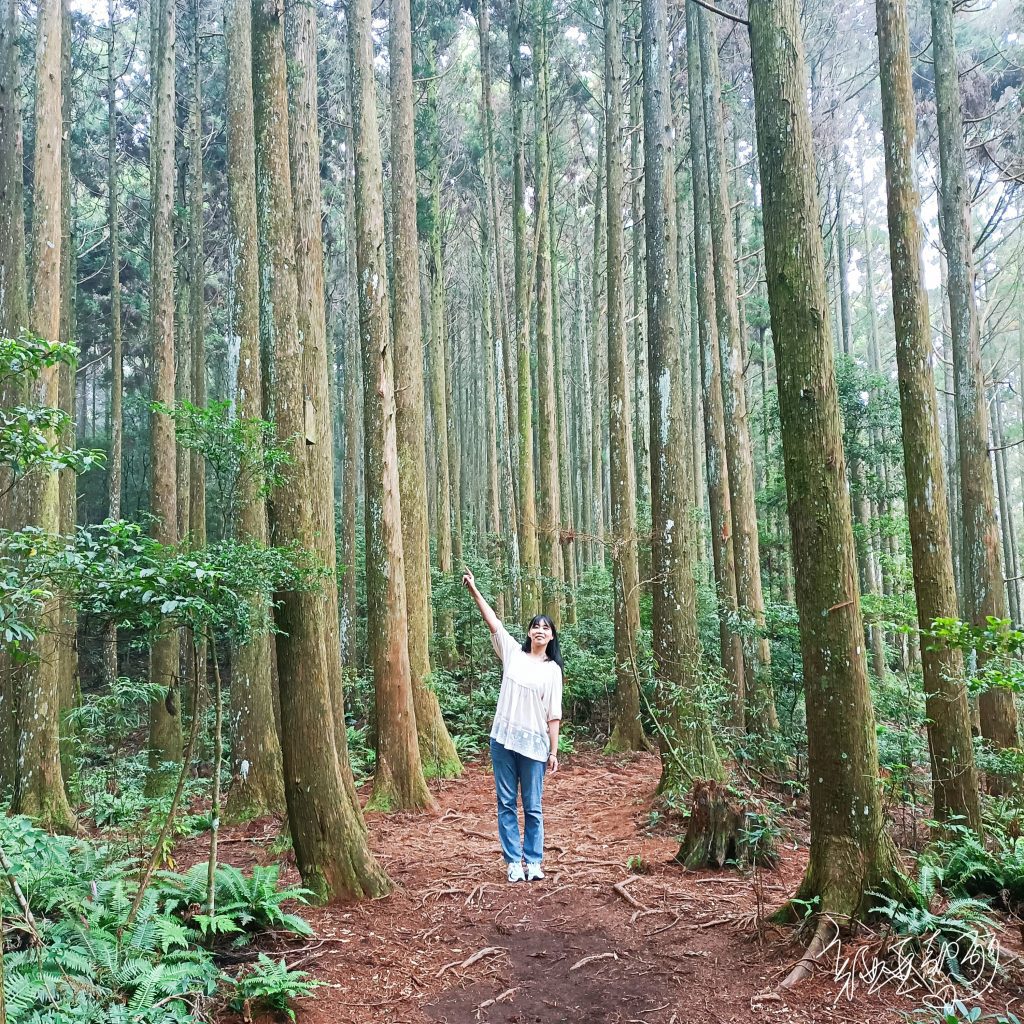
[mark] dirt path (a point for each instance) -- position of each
(455, 943)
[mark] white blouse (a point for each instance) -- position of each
(530, 697)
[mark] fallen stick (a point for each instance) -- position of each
(590, 959)
(620, 888)
(470, 960)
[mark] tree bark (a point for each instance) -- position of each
(627, 729)
(398, 781)
(687, 746)
(985, 594)
(851, 852)
(13, 320)
(761, 717)
(257, 783)
(437, 752)
(719, 502)
(165, 740)
(949, 726)
(331, 852)
(39, 782)
(529, 544)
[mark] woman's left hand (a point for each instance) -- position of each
(552, 762)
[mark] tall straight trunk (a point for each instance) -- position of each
(949, 434)
(197, 276)
(851, 853)
(499, 307)
(529, 543)
(627, 729)
(330, 845)
(843, 261)
(1005, 511)
(719, 502)
(437, 752)
(38, 781)
(874, 569)
(196, 494)
(67, 479)
(761, 717)
(13, 319)
(165, 740)
(318, 430)
(439, 368)
(452, 339)
(352, 390)
(687, 745)
(257, 783)
(114, 463)
(955, 782)
(492, 503)
(597, 358)
(549, 497)
(985, 594)
(567, 520)
(398, 781)
(641, 422)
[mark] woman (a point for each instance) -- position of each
(524, 737)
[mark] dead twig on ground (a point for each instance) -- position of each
(620, 888)
(470, 960)
(590, 959)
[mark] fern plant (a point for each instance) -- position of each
(270, 984)
(959, 935)
(245, 904)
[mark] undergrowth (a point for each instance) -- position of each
(74, 955)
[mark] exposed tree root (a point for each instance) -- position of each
(823, 936)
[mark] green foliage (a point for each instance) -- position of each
(270, 984)
(238, 453)
(992, 868)
(31, 436)
(999, 646)
(89, 969)
(961, 931)
(957, 1012)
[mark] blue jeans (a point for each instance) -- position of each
(513, 772)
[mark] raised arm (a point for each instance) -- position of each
(492, 620)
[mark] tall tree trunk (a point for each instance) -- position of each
(949, 726)
(529, 549)
(687, 745)
(330, 845)
(67, 479)
(439, 368)
(549, 498)
(165, 740)
(760, 697)
(38, 781)
(722, 548)
(13, 320)
(398, 781)
(257, 783)
(114, 463)
(1005, 511)
(506, 363)
(598, 359)
(641, 422)
(985, 594)
(627, 729)
(437, 752)
(318, 451)
(851, 853)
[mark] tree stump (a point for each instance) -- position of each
(713, 835)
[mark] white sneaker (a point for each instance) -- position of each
(515, 872)
(534, 873)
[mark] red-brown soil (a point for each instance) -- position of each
(617, 933)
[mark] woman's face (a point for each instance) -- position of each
(540, 634)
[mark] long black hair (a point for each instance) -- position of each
(553, 651)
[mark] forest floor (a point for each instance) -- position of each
(617, 933)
